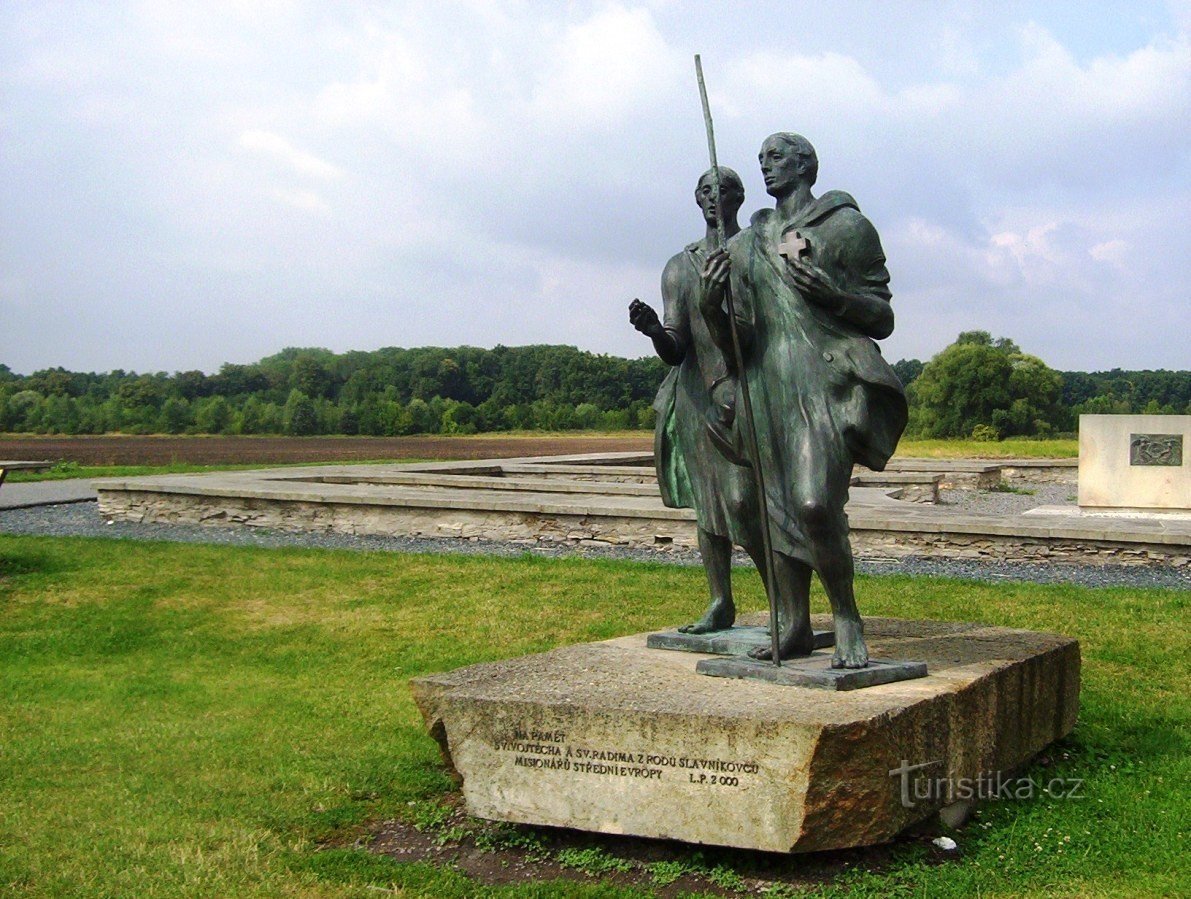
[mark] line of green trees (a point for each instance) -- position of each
(979, 386)
(387, 392)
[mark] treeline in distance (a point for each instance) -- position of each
(977, 385)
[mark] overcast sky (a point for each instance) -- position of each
(184, 184)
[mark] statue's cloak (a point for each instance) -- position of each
(823, 396)
(692, 474)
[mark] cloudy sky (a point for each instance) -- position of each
(184, 184)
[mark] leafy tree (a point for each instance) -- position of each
(191, 385)
(313, 376)
(459, 418)
(60, 415)
(422, 417)
(300, 418)
(23, 411)
(908, 370)
(981, 381)
(212, 415)
(175, 416)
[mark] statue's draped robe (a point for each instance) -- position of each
(692, 474)
(823, 396)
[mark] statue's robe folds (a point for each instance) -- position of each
(692, 474)
(823, 396)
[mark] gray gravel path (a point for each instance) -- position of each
(83, 520)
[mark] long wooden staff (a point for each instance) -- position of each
(754, 450)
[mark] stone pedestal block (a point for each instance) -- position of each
(617, 738)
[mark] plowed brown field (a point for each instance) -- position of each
(130, 450)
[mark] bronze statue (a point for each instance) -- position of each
(811, 295)
(691, 473)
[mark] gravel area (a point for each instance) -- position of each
(996, 502)
(83, 520)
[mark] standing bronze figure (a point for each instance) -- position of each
(691, 473)
(812, 296)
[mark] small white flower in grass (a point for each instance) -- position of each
(945, 843)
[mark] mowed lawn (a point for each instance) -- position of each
(201, 721)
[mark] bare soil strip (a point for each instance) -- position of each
(135, 450)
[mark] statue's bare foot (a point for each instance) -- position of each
(720, 616)
(850, 651)
(793, 643)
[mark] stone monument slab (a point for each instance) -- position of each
(617, 738)
(1135, 463)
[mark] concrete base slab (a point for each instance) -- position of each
(617, 738)
(738, 640)
(1078, 513)
(814, 671)
(46, 493)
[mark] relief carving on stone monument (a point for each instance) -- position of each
(1156, 449)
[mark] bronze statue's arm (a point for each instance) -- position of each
(870, 312)
(670, 340)
(864, 301)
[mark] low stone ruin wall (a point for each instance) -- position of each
(600, 530)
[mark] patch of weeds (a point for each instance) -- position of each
(781, 891)
(428, 815)
(726, 878)
(1006, 487)
(665, 873)
(593, 861)
(450, 835)
(510, 836)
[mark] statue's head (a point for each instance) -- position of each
(731, 187)
(787, 160)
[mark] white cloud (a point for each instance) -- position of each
(604, 69)
(300, 161)
(1115, 252)
(306, 200)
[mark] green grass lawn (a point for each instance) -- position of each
(186, 720)
(1012, 448)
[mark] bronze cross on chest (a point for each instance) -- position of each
(793, 246)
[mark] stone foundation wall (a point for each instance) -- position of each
(994, 547)
(350, 518)
(1040, 475)
(593, 530)
(647, 477)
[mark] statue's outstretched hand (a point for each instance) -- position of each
(714, 280)
(644, 319)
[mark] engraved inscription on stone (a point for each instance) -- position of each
(551, 751)
(1155, 449)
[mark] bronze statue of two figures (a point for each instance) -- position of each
(809, 295)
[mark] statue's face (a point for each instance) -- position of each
(781, 167)
(705, 197)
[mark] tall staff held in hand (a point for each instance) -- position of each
(749, 429)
